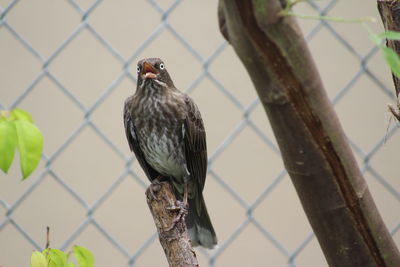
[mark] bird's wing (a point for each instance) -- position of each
(134, 143)
(195, 143)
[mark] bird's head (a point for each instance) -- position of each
(152, 70)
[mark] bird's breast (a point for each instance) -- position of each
(164, 152)
(158, 130)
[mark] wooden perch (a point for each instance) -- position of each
(174, 240)
(315, 151)
(390, 15)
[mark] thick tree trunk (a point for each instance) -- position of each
(390, 14)
(314, 148)
(172, 234)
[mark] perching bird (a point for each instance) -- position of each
(165, 131)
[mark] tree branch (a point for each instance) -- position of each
(314, 148)
(390, 15)
(175, 241)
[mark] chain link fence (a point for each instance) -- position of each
(73, 78)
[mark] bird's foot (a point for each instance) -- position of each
(182, 208)
(153, 188)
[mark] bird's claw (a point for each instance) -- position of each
(182, 209)
(154, 187)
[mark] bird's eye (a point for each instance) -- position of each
(162, 66)
(138, 69)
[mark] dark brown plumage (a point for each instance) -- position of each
(165, 131)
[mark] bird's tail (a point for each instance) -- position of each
(199, 225)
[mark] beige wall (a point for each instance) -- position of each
(89, 166)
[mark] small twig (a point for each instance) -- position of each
(389, 11)
(47, 237)
(290, 4)
(328, 18)
(174, 240)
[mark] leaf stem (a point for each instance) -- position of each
(328, 18)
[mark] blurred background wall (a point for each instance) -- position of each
(73, 63)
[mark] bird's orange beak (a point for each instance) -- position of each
(148, 71)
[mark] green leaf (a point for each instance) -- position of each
(30, 145)
(38, 260)
(390, 35)
(20, 114)
(83, 256)
(55, 257)
(392, 59)
(8, 142)
(70, 264)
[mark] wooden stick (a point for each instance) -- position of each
(174, 240)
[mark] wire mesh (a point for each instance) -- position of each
(205, 60)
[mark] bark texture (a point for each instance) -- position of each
(314, 148)
(390, 15)
(174, 240)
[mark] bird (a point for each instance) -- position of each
(165, 130)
